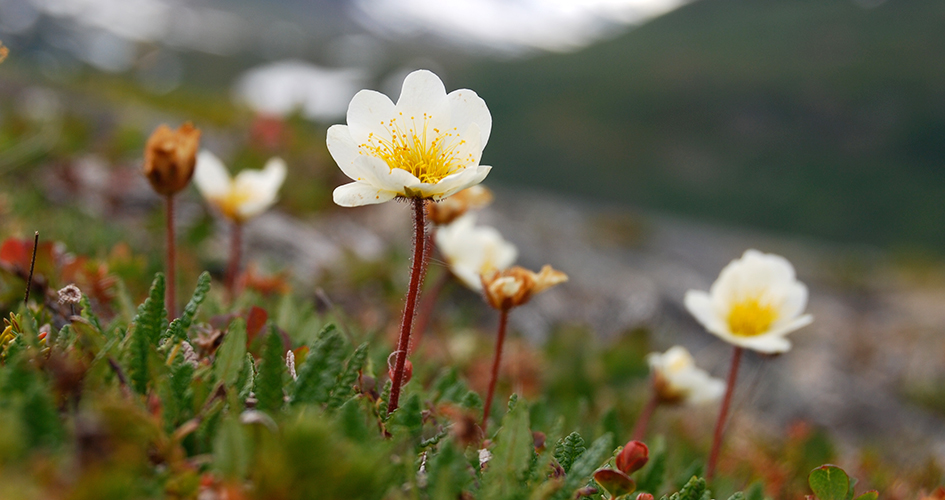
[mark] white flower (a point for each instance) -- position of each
(246, 196)
(677, 379)
(428, 145)
(755, 303)
(471, 250)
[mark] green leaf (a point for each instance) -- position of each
(568, 449)
(231, 353)
(514, 447)
(739, 496)
(585, 465)
(869, 495)
(829, 482)
(147, 326)
(319, 372)
(231, 449)
(343, 388)
(409, 416)
(271, 369)
(693, 490)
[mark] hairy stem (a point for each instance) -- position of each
(639, 430)
(170, 297)
(413, 290)
(426, 308)
(723, 413)
(500, 340)
(236, 252)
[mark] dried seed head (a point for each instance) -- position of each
(70, 294)
(449, 209)
(290, 364)
(170, 157)
(516, 285)
(190, 357)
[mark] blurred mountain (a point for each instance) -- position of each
(824, 118)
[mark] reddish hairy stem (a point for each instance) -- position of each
(406, 324)
(503, 322)
(723, 413)
(639, 430)
(426, 308)
(170, 297)
(236, 252)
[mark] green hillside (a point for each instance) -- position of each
(819, 117)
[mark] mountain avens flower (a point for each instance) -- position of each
(238, 199)
(755, 303)
(242, 197)
(472, 250)
(428, 145)
(677, 379)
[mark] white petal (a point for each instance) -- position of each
(368, 113)
(344, 151)
(793, 302)
(701, 306)
(379, 174)
(355, 194)
(466, 108)
(423, 92)
(262, 184)
(455, 183)
(210, 176)
(468, 147)
(790, 326)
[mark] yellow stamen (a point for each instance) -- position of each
(751, 317)
(428, 153)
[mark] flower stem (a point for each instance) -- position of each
(29, 281)
(426, 308)
(639, 430)
(500, 339)
(170, 297)
(406, 324)
(723, 413)
(236, 252)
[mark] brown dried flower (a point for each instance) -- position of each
(516, 285)
(449, 209)
(170, 157)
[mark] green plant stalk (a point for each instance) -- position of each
(723, 413)
(171, 296)
(500, 340)
(413, 290)
(236, 254)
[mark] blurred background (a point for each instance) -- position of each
(639, 145)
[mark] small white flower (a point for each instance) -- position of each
(471, 250)
(243, 197)
(485, 456)
(755, 303)
(677, 379)
(428, 145)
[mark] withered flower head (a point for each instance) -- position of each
(170, 157)
(447, 210)
(70, 294)
(516, 285)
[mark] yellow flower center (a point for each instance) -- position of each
(230, 203)
(428, 153)
(751, 317)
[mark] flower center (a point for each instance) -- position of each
(428, 153)
(232, 201)
(751, 317)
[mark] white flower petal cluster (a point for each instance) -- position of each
(755, 303)
(428, 145)
(471, 250)
(677, 379)
(243, 197)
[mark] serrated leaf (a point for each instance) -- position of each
(514, 447)
(409, 416)
(568, 449)
(271, 369)
(693, 490)
(829, 482)
(344, 386)
(585, 465)
(231, 353)
(318, 373)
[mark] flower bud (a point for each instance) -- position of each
(645, 496)
(170, 157)
(633, 457)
